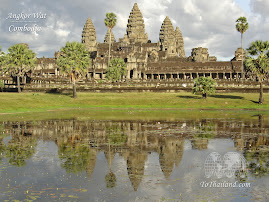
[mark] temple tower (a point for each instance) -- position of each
(179, 43)
(106, 40)
(167, 37)
(135, 27)
(89, 36)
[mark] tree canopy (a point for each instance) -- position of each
(257, 62)
(74, 61)
(116, 70)
(19, 60)
(241, 25)
(204, 85)
(110, 20)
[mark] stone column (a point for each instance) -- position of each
(184, 75)
(128, 74)
(135, 73)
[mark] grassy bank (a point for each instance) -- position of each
(41, 102)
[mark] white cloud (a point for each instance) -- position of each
(211, 25)
(260, 7)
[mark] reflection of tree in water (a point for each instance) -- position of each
(76, 156)
(2, 148)
(257, 155)
(116, 137)
(20, 148)
(110, 180)
(205, 131)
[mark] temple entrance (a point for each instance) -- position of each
(131, 74)
(194, 75)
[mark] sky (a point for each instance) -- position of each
(47, 25)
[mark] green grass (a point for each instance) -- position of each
(42, 102)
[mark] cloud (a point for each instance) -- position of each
(211, 25)
(260, 7)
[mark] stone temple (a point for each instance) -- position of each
(147, 60)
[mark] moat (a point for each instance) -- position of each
(131, 158)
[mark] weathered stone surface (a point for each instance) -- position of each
(200, 54)
(135, 27)
(167, 37)
(89, 36)
(238, 54)
(106, 40)
(179, 43)
(156, 61)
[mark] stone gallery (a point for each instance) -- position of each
(146, 60)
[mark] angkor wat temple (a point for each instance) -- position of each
(146, 60)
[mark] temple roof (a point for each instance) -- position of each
(89, 35)
(167, 33)
(136, 26)
(106, 40)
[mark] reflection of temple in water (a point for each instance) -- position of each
(79, 142)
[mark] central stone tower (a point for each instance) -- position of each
(135, 27)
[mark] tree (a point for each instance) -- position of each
(258, 64)
(19, 60)
(74, 61)
(204, 85)
(2, 58)
(110, 22)
(242, 27)
(116, 70)
(2, 62)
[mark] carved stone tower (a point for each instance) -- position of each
(89, 36)
(135, 27)
(106, 40)
(167, 37)
(179, 43)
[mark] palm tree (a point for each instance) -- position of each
(242, 26)
(110, 22)
(19, 60)
(74, 61)
(258, 64)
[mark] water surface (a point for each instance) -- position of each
(139, 159)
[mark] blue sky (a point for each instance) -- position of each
(208, 24)
(244, 4)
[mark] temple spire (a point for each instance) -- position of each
(179, 42)
(89, 36)
(167, 37)
(106, 40)
(135, 27)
